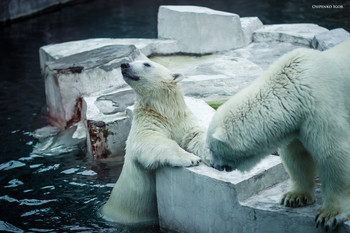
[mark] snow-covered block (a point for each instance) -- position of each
(200, 30)
(146, 46)
(209, 200)
(107, 122)
(326, 40)
(301, 33)
(250, 25)
(69, 78)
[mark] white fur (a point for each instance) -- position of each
(302, 106)
(163, 132)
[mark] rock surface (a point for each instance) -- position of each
(263, 54)
(212, 77)
(327, 40)
(249, 26)
(221, 75)
(146, 46)
(213, 201)
(69, 78)
(301, 33)
(200, 30)
(107, 122)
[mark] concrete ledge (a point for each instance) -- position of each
(146, 46)
(69, 78)
(107, 122)
(200, 30)
(329, 39)
(202, 199)
(301, 33)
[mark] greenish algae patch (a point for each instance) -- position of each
(216, 104)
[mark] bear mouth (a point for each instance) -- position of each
(127, 75)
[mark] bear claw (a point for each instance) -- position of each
(318, 215)
(328, 221)
(282, 201)
(304, 201)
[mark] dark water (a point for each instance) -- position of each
(63, 193)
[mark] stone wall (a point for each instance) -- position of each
(15, 9)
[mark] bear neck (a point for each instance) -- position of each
(169, 103)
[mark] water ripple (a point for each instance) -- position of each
(11, 165)
(14, 183)
(5, 226)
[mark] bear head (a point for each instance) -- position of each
(229, 151)
(147, 78)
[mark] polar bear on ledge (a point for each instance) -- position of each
(163, 132)
(302, 106)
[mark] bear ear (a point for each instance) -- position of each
(220, 134)
(177, 77)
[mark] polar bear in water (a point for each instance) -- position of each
(302, 106)
(163, 132)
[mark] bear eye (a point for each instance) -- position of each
(146, 64)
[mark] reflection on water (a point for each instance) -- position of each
(42, 193)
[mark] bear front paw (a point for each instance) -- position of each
(194, 160)
(296, 199)
(330, 219)
(185, 160)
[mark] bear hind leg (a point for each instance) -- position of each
(334, 175)
(301, 169)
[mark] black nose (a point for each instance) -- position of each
(125, 65)
(227, 168)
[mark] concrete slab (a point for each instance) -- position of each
(107, 122)
(301, 33)
(201, 199)
(69, 78)
(200, 30)
(326, 40)
(249, 26)
(146, 46)
(267, 210)
(263, 54)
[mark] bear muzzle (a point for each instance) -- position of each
(127, 72)
(125, 65)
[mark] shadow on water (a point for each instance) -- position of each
(64, 192)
